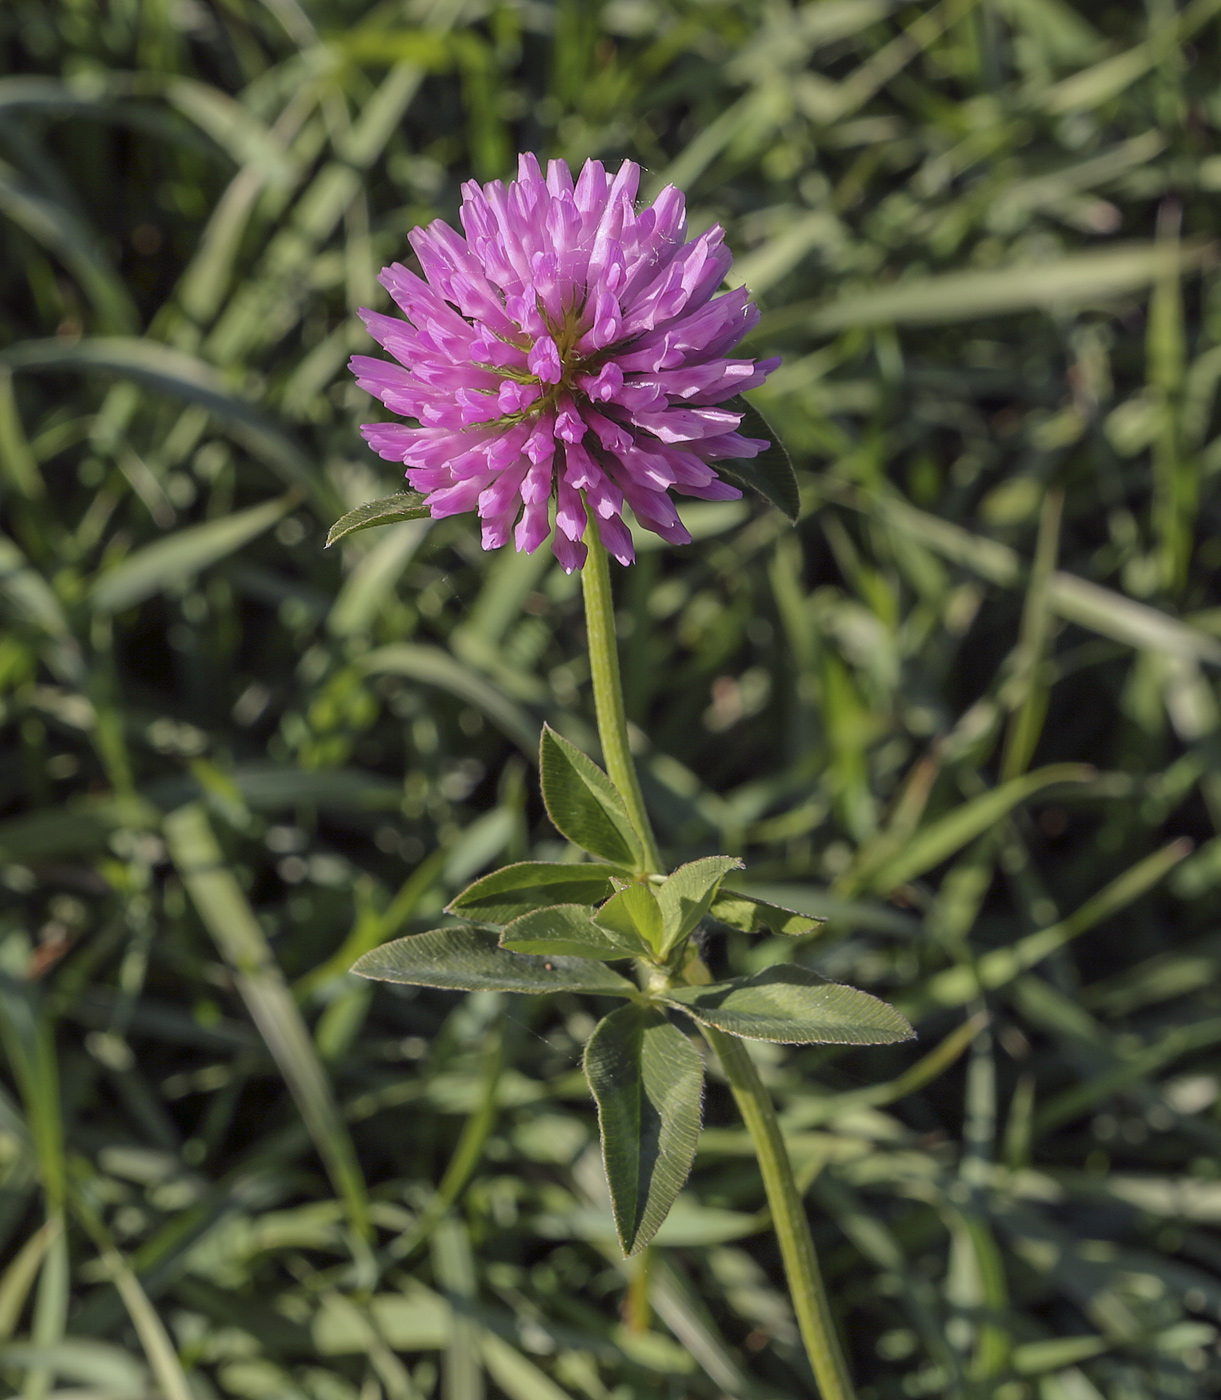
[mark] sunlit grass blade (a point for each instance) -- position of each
(435, 667)
(174, 561)
(955, 986)
(946, 835)
(19, 1276)
(62, 232)
(242, 942)
(1077, 279)
(155, 1339)
(174, 373)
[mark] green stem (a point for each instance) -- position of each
(754, 1103)
(608, 691)
(638, 1313)
(806, 1290)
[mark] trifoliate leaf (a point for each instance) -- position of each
(751, 915)
(633, 912)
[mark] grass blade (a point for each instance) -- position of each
(1078, 279)
(172, 562)
(240, 938)
(942, 838)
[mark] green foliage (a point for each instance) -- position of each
(471, 960)
(403, 505)
(749, 914)
(583, 804)
(568, 928)
(770, 474)
(639, 1068)
(634, 913)
(648, 1081)
(502, 896)
(790, 1004)
(172, 563)
(687, 894)
(982, 238)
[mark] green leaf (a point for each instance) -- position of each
(687, 895)
(569, 929)
(403, 505)
(470, 960)
(634, 913)
(22, 1271)
(648, 1079)
(99, 1366)
(374, 44)
(770, 474)
(689, 1225)
(790, 1004)
(513, 890)
(750, 915)
(584, 804)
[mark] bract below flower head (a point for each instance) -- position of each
(569, 348)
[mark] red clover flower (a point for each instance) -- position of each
(570, 347)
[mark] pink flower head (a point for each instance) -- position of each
(570, 348)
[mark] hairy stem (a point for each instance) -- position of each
(806, 1289)
(608, 691)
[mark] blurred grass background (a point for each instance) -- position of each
(968, 708)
